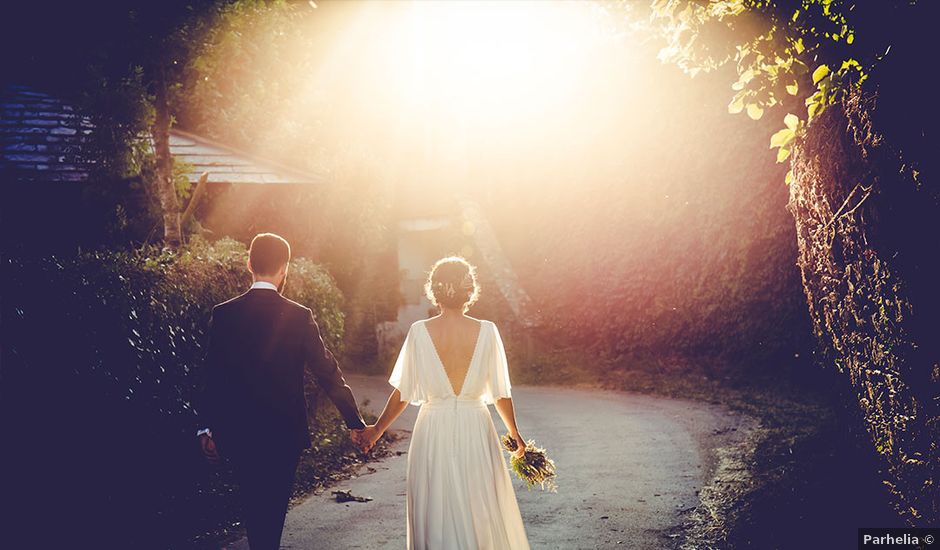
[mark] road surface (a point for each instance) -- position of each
(629, 470)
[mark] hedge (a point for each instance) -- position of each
(867, 232)
(101, 360)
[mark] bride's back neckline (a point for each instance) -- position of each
(446, 371)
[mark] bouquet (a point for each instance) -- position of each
(534, 467)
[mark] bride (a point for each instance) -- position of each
(452, 365)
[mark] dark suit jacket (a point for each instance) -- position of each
(259, 344)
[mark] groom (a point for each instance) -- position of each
(253, 408)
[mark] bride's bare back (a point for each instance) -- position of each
(455, 340)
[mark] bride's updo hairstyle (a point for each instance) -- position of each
(452, 283)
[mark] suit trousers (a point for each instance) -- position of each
(266, 480)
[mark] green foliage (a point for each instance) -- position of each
(105, 350)
(307, 283)
(773, 46)
(152, 306)
(248, 63)
(121, 111)
(113, 71)
(247, 80)
(310, 284)
(868, 270)
(184, 188)
(832, 86)
(703, 270)
(682, 249)
(863, 302)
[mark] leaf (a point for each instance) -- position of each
(347, 496)
(781, 138)
(850, 38)
(736, 105)
(799, 67)
(792, 121)
(798, 45)
(754, 111)
(812, 109)
(783, 153)
(792, 89)
(789, 179)
(820, 73)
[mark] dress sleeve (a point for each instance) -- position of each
(498, 386)
(405, 374)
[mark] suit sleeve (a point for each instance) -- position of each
(324, 367)
(208, 395)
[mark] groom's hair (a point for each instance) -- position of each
(268, 253)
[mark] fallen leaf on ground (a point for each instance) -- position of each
(347, 496)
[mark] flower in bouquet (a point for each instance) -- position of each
(534, 467)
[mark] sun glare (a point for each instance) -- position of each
(488, 61)
(488, 58)
(457, 72)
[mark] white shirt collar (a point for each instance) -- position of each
(263, 284)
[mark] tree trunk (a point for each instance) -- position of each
(867, 236)
(165, 186)
(198, 192)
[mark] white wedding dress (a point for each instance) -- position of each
(459, 493)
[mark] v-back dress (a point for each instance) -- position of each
(459, 493)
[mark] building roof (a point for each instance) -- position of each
(42, 139)
(229, 165)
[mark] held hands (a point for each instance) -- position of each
(357, 439)
(209, 449)
(366, 438)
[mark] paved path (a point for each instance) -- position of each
(629, 466)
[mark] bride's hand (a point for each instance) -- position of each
(520, 445)
(370, 436)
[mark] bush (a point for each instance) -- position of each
(101, 357)
(867, 241)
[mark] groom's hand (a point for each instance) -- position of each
(359, 440)
(362, 439)
(209, 450)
